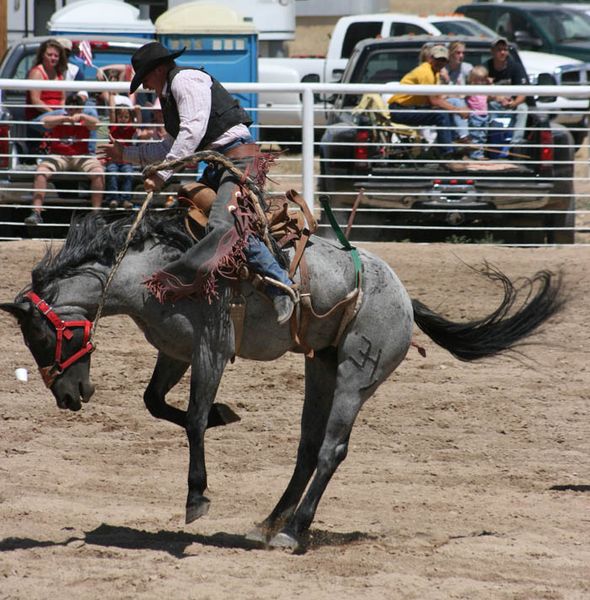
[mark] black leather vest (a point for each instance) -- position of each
(225, 111)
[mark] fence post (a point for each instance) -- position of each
(307, 140)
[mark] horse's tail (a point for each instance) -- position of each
(503, 328)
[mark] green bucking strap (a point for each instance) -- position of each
(356, 259)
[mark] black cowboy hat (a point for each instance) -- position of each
(147, 58)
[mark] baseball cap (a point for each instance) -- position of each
(500, 40)
(66, 43)
(439, 51)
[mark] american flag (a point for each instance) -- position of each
(86, 52)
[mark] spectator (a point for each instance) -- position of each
(116, 72)
(478, 117)
(75, 67)
(503, 70)
(68, 151)
(416, 109)
(50, 65)
(455, 73)
(425, 52)
(123, 119)
(457, 70)
(156, 131)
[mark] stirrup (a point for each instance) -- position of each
(287, 289)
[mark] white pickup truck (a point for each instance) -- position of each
(284, 109)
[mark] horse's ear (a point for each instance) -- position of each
(16, 309)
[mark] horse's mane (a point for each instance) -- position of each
(98, 237)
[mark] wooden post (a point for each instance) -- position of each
(3, 26)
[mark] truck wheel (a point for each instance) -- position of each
(567, 219)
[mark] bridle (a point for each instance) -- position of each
(63, 330)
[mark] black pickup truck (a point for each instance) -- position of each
(404, 183)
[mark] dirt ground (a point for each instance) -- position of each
(462, 480)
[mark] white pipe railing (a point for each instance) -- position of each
(309, 109)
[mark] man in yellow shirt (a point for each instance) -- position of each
(417, 109)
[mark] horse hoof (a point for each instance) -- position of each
(197, 510)
(285, 541)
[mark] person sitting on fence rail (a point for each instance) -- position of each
(456, 73)
(51, 64)
(417, 109)
(124, 118)
(479, 118)
(505, 71)
(68, 151)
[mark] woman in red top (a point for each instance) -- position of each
(50, 64)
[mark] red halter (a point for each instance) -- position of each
(63, 329)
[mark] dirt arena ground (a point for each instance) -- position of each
(462, 481)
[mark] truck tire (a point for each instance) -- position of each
(567, 219)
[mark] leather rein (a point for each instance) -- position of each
(63, 331)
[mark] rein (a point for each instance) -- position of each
(63, 330)
(174, 165)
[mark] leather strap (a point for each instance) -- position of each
(242, 151)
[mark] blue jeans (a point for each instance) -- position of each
(259, 257)
(478, 131)
(423, 116)
(518, 118)
(261, 260)
(90, 109)
(118, 183)
(461, 124)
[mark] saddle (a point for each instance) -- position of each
(289, 227)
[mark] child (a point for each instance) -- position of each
(123, 129)
(478, 115)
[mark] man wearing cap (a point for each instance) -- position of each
(199, 113)
(75, 70)
(503, 70)
(416, 109)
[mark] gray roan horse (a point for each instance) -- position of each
(56, 311)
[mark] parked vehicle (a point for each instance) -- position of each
(352, 29)
(541, 27)
(356, 152)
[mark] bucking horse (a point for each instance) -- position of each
(358, 318)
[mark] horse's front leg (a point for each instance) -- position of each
(167, 373)
(210, 355)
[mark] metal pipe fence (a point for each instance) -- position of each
(393, 178)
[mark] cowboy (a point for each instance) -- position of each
(199, 114)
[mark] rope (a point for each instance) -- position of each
(175, 165)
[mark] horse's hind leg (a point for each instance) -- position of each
(333, 450)
(320, 381)
(167, 373)
(366, 358)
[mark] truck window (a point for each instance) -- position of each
(383, 67)
(562, 26)
(406, 29)
(481, 14)
(357, 32)
(24, 65)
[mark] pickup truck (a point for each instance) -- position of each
(357, 153)
(352, 29)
